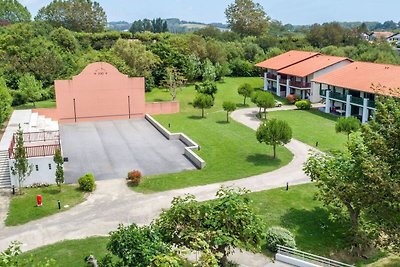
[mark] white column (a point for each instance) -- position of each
(365, 111)
(348, 106)
(265, 82)
(328, 102)
(278, 85)
(287, 87)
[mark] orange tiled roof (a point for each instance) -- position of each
(382, 34)
(311, 65)
(362, 76)
(286, 59)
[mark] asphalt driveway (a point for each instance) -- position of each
(109, 149)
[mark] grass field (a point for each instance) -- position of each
(230, 150)
(23, 207)
(70, 253)
(313, 126)
(51, 103)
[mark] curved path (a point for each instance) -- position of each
(114, 203)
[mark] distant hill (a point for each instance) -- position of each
(174, 25)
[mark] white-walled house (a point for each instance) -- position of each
(352, 89)
(292, 73)
(394, 38)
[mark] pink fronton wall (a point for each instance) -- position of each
(156, 108)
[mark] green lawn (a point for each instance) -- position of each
(311, 127)
(23, 208)
(51, 103)
(70, 253)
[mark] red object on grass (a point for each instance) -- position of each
(39, 200)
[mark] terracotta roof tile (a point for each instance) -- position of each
(286, 59)
(311, 65)
(365, 76)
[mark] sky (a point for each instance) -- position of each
(297, 12)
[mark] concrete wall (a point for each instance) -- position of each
(41, 175)
(190, 144)
(294, 261)
(100, 92)
(156, 108)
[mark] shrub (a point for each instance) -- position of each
(303, 104)
(279, 236)
(86, 182)
(293, 98)
(134, 177)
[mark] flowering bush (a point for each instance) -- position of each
(134, 177)
(293, 98)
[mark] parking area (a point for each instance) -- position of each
(110, 149)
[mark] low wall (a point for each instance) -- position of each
(294, 261)
(44, 171)
(47, 112)
(190, 144)
(156, 108)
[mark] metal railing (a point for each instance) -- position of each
(357, 100)
(300, 84)
(337, 96)
(371, 104)
(271, 76)
(311, 258)
(37, 150)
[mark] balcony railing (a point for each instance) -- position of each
(337, 96)
(357, 100)
(300, 84)
(271, 76)
(371, 104)
(322, 93)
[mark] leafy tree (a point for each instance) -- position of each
(274, 132)
(348, 180)
(65, 39)
(75, 15)
(218, 226)
(207, 88)
(59, 161)
(21, 166)
(263, 100)
(156, 25)
(203, 101)
(192, 68)
(173, 80)
(245, 90)
(13, 11)
(246, 18)
(30, 88)
(137, 246)
(228, 107)
(10, 257)
(5, 101)
(209, 72)
(347, 125)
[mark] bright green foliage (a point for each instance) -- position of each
(75, 15)
(21, 166)
(228, 107)
(277, 235)
(59, 161)
(332, 34)
(263, 100)
(5, 101)
(87, 182)
(155, 25)
(207, 88)
(137, 246)
(274, 132)
(30, 88)
(219, 225)
(245, 90)
(209, 71)
(247, 18)
(303, 104)
(13, 11)
(65, 39)
(166, 261)
(192, 68)
(203, 101)
(10, 258)
(347, 125)
(349, 181)
(173, 80)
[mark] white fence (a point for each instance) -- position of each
(303, 259)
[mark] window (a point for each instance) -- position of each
(37, 167)
(49, 166)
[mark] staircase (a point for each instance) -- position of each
(5, 180)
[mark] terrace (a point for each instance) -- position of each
(37, 144)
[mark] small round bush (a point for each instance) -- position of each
(134, 177)
(87, 183)
(293, 98)
(303, 104)
(279, 236)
